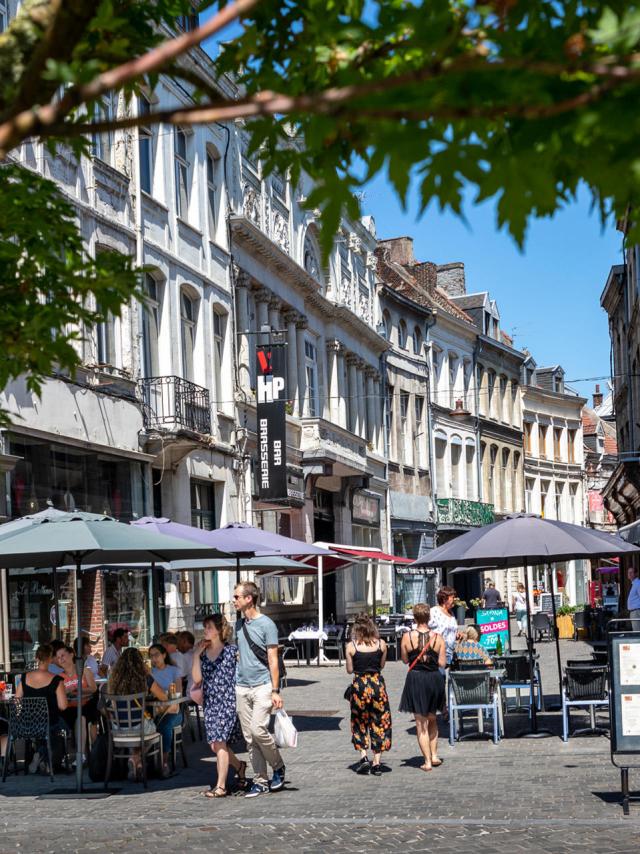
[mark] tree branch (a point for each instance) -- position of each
(29, 121)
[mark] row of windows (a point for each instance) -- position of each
(406, 428)
(561, 502)
(560, 452)
(502, 476)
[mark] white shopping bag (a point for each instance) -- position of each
(285, 734)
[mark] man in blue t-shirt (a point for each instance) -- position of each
(258, 688)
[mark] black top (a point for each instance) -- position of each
(429, 660)
(49, 694)
(367, 662)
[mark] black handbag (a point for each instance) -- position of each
(348, 694)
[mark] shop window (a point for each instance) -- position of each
(41, 608)
(127, 604)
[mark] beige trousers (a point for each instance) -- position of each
(254, 710)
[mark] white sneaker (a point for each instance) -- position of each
(35, 763)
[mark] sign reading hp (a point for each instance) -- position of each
(271, 397)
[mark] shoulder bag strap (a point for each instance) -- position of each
(259, 652)
(421, 653)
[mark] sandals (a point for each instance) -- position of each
(426, 767)
(241, 774)
(435, 761)
(217, 792)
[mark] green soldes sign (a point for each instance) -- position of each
(493, 623)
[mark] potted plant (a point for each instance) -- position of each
(564, 621)
(461, 610)
(476, 603)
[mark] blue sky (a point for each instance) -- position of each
(548, 294)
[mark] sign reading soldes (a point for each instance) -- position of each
(493, 623)
(271, 396)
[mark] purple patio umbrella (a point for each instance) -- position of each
(525, 540)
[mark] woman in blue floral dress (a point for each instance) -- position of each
(214, 668)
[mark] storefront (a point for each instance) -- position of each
(413, 585)
(41, 604)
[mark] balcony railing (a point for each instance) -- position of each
(458, 511)
(172, 403)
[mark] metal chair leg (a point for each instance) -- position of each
(107, 770)
(7, 757)
(50, 755)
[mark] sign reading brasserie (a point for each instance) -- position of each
(271, 396)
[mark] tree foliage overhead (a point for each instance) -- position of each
(516, 100)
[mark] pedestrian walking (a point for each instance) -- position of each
(633, 599)
(366, 656)
(519, 606)
(258, 688)
(424, 689)
(491, 598)
(214, 667)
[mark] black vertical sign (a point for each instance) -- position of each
(271, 394)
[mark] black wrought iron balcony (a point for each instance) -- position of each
(172, 404)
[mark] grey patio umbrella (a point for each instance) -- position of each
(74, 538)
(524, 540)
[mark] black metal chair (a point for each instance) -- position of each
(580, 622)
(388, 635)
(189, 708)
(541, 626)
(472, 691)
(584, 686)
(518, 677)
(335, 642)
(28, 721)
(469, 664)
(287, 645)
(126, 733)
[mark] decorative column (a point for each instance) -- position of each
(274, 314)
(331, 408)
(342, 392)
(241, 282)
(370, 375)
(362, 400)
(290, 318)
(378, 442)
(262, 298)
(352, 387)
(303, 403)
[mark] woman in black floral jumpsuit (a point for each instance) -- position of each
(370, 713)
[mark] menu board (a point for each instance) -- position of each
(624, 659)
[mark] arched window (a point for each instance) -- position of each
(219, 332)
(470, 468)
(213, 181)
(417, 341)
(187, 333)
(386, 322)
(441, 464)
(402, 335)
(456, 468)
(151, 326)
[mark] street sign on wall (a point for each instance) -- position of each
(271, 396)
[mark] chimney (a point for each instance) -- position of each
(400, 250)
(451, 278)
(597, 397)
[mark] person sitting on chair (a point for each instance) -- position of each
(468, 648)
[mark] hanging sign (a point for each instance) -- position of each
(271, 395)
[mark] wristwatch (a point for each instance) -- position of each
(275, 690)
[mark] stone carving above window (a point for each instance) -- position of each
(281, 231)
(251, 205)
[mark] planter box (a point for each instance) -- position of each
(565, 626)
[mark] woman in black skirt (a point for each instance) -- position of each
(425, 652)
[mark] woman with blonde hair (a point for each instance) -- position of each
(214, 669)
(366, 655)
(423, 695)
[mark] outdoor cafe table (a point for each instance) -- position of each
(309, 635)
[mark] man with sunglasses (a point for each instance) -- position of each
(258, 688)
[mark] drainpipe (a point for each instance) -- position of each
(431, 322)
(476, 352)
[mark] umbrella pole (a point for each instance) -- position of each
(319, 563)
(80, 672)
(533, 732)
(556, 633)
(238, 615)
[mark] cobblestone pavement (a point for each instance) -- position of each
(523, 795)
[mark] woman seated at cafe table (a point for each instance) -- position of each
(65, 659)
(468, 648)
(164, 675)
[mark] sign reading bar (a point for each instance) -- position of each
(271, 395)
